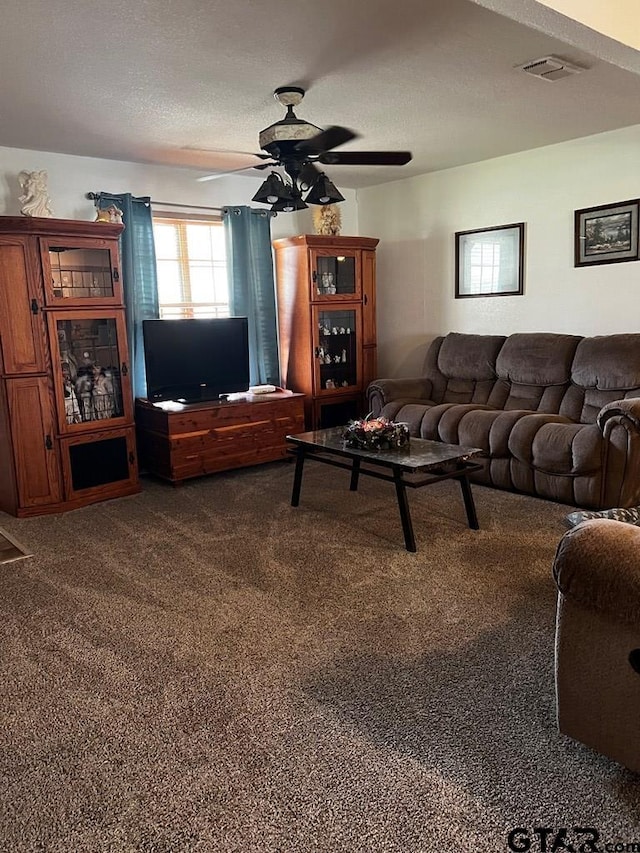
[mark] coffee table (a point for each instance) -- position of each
(421, 463)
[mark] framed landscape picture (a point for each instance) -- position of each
(490, 261)
(607, 234)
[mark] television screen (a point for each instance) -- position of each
(193, 360)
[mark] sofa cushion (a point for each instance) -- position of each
(608, 363)
(534, 369)
(462, 367)
(408, 413)
(605, 369)
(551, 444)
(479, 426)
(537, 358)
(469, 356)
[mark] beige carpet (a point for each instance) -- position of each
(209, 669)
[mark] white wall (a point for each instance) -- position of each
(619, 19)
(70, 178)
(416, 220)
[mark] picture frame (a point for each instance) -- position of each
(607, 233)
(490, 261)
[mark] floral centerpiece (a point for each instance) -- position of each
(376, 434)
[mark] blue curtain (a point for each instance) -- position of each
(139, 276)
(252, 287)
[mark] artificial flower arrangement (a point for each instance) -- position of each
(376, 434)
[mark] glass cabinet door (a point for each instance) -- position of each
(335, 275)
(85, 273)
(91, 378)
(336, 360)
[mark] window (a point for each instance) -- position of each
(484, 267)
(192, 267)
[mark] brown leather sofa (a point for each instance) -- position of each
(557, 416)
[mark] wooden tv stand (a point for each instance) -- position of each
(177, 441)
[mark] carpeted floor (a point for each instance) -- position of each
(209, 669)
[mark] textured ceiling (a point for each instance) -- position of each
(149, 81)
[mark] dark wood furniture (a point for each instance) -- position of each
(178, 441)
(432, 460)
(67, 436)
(327, 323)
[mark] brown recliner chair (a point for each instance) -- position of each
(597, 572)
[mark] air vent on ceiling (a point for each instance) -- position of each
(549, 68)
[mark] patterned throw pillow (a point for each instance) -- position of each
(630, 516)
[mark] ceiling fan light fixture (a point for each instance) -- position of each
(271, 189)
(288, 205)
(324, 191)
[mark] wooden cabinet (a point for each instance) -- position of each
(179, 441)
(66, 413)
(327, 323)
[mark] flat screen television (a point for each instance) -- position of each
(194, 360)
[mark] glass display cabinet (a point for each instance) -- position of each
(66, 412)
(81, 272)
(327, 323)
(92, 379)
(335, 274)
(336, 350)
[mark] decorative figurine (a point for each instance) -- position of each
(34, 198)
(110, 214)
(327, 282)
(327, 219)
(103, 396)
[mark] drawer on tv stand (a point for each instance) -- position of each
(203, 438)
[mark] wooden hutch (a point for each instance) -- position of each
(326, 290)
(67, 436)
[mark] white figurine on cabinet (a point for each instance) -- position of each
(34, 198)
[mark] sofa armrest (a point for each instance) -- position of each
(619, 423)
(597, 565)
(627, 411)
(383, 391)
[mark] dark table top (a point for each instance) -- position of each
(419, 455)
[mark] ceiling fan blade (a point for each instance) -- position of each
(327, 139)
(225, 151)
(365, 158)
(216, 175)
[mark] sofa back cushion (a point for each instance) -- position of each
(605, 368)
(534, 370)
(462, 368)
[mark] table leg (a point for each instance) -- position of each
(297, 476)
(469, 503)
(403, 506)
(355, 474)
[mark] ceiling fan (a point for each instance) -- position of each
(297, 147)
